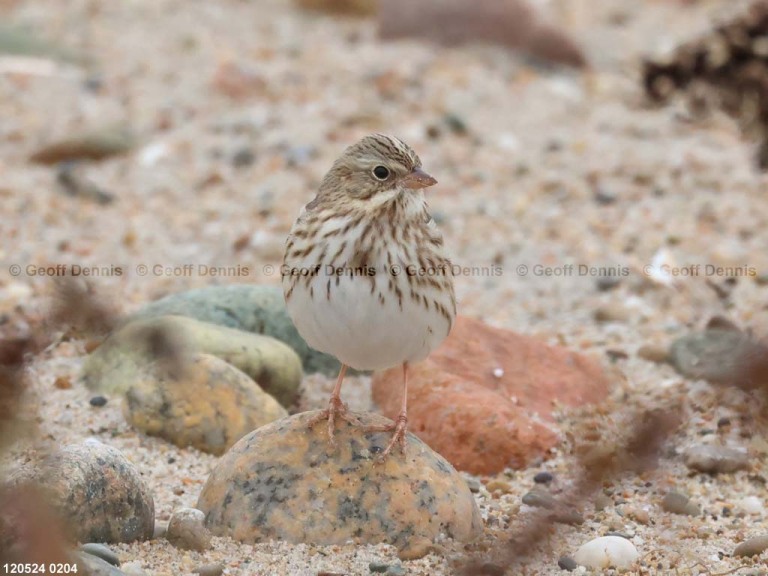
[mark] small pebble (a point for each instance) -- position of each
(161, 528)
(713, 459)
(378, 567)
(543, 478)
(101, 551)
(752, 547)
(606, 283)
(653, 353)
(209, 570)
(539, 499)
(186, 530)
(751, 505)
(678, 503)
(607, 551)
(474, 484)
(612, 313)
(98, 401)
(243, 158)
(498, 486)
(602, 501)
(567, 563)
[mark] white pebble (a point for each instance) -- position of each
(607, 551)
(751, 505)
(498, 372)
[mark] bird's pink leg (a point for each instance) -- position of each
(336, 408)
(400, 426)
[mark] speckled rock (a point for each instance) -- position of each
(717, 355)
(186, 530)
(714, 459)
(259, 309)
(474, 399)
(285, 482)
(607, 551)
(209, 405)
(97, 492)
(123, 359)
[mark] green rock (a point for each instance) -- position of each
(258, 309)
(126, 356)
(19, 41)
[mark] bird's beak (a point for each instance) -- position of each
(418, 179)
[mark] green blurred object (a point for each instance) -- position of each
(19, 41)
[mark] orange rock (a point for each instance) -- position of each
(476, 399)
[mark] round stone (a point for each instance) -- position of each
(209, 404)
(96, 491)
(284, 481)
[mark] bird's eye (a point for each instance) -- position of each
(381, 172)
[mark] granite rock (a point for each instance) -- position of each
(126, 357)
(98, 494)
(284, 481)
(209, 405)
(485, 398)
(258, 309)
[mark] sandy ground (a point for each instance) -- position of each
(517, 191)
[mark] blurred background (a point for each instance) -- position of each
(171, 133)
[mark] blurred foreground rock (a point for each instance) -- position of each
(284, 481)
(124, 358)
(259, 309)
(484, 399)
(96, 492)
(514, 24)
(94, 145)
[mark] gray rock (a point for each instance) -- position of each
(285, 482)
(97, 491)
(678, 503)
(713, 459)
(567, 563)
(187, 531)
(258, 309)
(127, 356)
(95, 566)
(539, 499)
(208, 404)
(209, 570)
(716, 355)
(101, 551)
(752, 547)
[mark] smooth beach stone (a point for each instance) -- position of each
(258, 309)
(717, 355)
(187, 531)
(125, 357)
(95, 566)
(98, 493)
(285, 482)
(607, 551)
(209, 405)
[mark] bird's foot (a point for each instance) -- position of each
(336, 409)
(399, 437)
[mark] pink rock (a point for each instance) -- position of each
(511, 23)
(484, 399)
